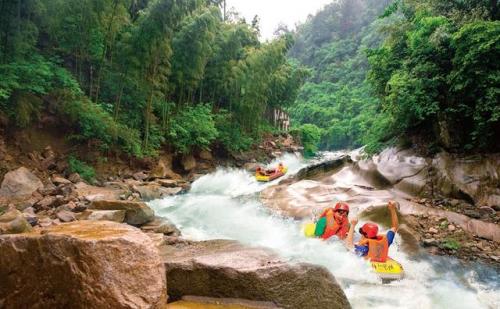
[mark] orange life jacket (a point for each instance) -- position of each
(333, 227)
(378, 248)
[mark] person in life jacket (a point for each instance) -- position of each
(281, 168)
(336, 221)
(374, 246)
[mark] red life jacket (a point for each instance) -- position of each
(378, 248)
(333, 227)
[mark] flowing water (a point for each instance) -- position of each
(225, 205)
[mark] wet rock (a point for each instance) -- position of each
(223, 268)
(161, 225)
(20, 183)
(13, 222)
(325, 167)
(154, 191)
(113, 265)
(103, 215)
(136, 213)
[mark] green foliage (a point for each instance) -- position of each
(86, 171)
(192, 127)
(439, 69)
(230, 135)
(337, 97)
(475, 79)
(132, 76)
(309, 136)
(94, 123)
(451, 244)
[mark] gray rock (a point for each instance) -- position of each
(224, 268)
(152, 191)
(161, 225)
(136, 213)
(20, 183)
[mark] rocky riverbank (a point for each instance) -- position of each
(88, 235)
(449, 205)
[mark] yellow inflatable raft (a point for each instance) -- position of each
(309, 229)
(276, 174)
(388, 270)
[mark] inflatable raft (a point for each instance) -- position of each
(389, 270)
(272, 176)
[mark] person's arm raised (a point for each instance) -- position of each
(393, 205)
(350, 235)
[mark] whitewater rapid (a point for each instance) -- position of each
(225, 205)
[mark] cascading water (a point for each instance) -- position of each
(225, 205)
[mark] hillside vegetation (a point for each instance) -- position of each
(406, 70)
(131, 76)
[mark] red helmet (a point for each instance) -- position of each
(369, 229)
(341, 206)
(258, 168)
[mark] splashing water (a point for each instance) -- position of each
(225, 205)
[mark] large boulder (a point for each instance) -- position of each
(20, 183)
(83, 264)
(224, 268)
(136, 213)
(474, 178)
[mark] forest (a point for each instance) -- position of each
(133, 76)
(406, 71)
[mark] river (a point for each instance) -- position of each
(225, 205)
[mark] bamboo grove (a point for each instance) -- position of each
(136, 75)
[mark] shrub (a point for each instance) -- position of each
(94, 123)
(310, 136)
(451, 244)
(193, 126)
(83, 169)
(230, 134)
